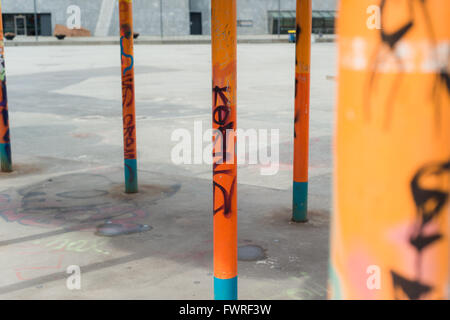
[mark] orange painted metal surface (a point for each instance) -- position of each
(223, 29)
(128, 95)
(392, 167)
(302, 95)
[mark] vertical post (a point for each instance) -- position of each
(35, 21)
(301, 126)
(128, 99)
(5, 146)
(224, 47)
(279, 19)
(390, 227)
(161, 26)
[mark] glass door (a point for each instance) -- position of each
(20, 25)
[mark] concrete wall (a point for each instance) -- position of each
(325, 4)
(255, 10)
(258, 12)
(147, 17)
(147, 14)
(58, 9)
(203, 6)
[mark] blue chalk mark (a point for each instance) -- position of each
(122, 52)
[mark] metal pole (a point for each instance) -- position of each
(302, 92)
(128, 97)
(279, 18)
(223, 37)
(161, 18)
(391, 180)
(35, 21)
(5, 146)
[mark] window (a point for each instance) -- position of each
(245, 23)
(286, 20)
(23, 24)
(322, 21)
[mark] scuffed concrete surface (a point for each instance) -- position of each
(65, 114)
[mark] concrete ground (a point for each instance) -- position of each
(152, 40)
(64, 199)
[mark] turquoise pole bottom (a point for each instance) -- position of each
(300, 202)
(225, 289)
(131, 181)
(5, 157)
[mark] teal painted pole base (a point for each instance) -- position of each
(5, 157)
(300, 202)
(131, 181)
(225, 289)
(335, 283)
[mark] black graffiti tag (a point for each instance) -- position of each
(429, 203)
(128, 133)
(221, 115)
(389, 42)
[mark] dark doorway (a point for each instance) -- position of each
(196, 23)
(46, 24)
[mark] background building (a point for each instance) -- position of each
(156, 17)
(262, 16)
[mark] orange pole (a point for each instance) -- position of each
(5, 146)
(128, 97)
(301, 127)
(223, 34)
(390, 227)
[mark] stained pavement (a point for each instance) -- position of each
(66, 191)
